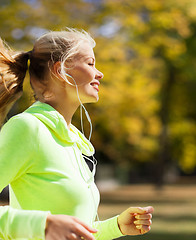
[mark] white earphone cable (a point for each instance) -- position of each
(81, 107)
(94, 161)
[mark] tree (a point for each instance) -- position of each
(146, 49)
(153, 51)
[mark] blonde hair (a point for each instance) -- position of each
(50, 48)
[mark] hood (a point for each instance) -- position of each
(55, 122)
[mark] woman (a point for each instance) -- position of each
(52, 190)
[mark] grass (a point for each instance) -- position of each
(175, 209)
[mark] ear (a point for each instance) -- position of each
(56, 69)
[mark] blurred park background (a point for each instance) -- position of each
(144, 125)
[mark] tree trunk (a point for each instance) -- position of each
(164, 155)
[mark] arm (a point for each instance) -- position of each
(16, 148)
(107, 229)
(133, 221)
(22, 223)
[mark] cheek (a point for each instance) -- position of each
(82, 76)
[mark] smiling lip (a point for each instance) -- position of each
(95, 85)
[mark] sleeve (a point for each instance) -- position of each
(16, 149)
(22, 223)
(17, 144)
(108, 229)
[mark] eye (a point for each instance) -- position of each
(91, 64)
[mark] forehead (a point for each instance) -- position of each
(85, 51)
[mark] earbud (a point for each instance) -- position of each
(59, 70)
(69, 76)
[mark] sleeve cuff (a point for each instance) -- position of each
(22, 223)
(107, 229)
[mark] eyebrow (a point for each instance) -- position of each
(90, 58)
(85, 58)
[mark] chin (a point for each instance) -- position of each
(92, 99)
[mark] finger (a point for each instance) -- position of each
(89, 228)
(73, 236)
(143, 222)
(144, 216)
(144, 231)
(84, 233)
(149, 209)
(139, 210)
(143, 228)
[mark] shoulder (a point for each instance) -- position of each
(21, 124)
(19, 132)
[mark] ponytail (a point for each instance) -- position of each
(13, 67)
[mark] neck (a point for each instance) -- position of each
(63, 99)
(66, 109)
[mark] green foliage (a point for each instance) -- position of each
(150, 90)
(146, 50)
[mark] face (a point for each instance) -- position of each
(85, 74)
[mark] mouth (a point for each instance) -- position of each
(95, 85)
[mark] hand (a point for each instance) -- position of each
(67, 227)
(135, 220)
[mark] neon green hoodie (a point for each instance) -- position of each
(41, 159)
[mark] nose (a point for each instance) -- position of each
(99, 75)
